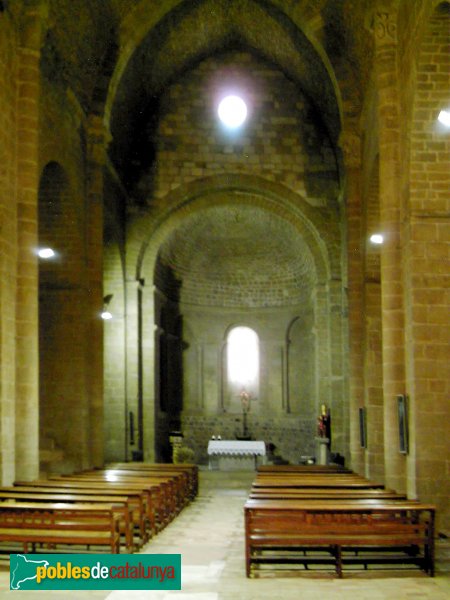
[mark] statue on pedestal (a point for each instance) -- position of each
(324, 423)
(323, 439)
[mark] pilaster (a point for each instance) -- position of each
(97, 140)
(386, 72)
(27, 333)
(350, 143)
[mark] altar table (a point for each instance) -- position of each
(229, 455)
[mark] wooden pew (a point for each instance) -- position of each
(278, 493)
(191, 470)
(302, 469)
(183, 481)
(178, 482)
(323, 482)
(274, 526)
(143, 501)
(37, 523)
(159, 489)
(121, 504)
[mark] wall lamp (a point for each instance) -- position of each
(377, 238)
(46, 253)
(106, 315)
(444, 117)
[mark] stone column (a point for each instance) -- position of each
(147, 385)
(131, 362)
(27, 333)
(351, 148)
(96, 159)
(385, 36)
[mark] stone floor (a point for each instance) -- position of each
(209, 536)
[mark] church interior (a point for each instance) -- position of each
(176, 267)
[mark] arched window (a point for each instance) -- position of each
(243, 360)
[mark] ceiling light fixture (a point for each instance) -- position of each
(106, 315)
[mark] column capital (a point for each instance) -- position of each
(98, 138)
(384, 24)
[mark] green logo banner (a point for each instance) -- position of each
(95, 572)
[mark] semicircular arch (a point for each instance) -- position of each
(318, 228)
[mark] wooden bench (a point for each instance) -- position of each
(36, 523)
(189, 469)
(140, 503)
(280, 493)
(308, 481)
(304, 469)
(180, 478)
(177, 483)
(277, 530)
(152, 493)
(121, 504)
(159, 492)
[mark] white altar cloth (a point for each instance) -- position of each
(231, 455)
(236, 448)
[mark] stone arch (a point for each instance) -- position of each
(307, 57)
(301, 365)
(318, 227)
(149, 232)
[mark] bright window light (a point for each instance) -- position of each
(243, 357)
(376, 238)
(46, 253)
(444, 117)
(232, 111)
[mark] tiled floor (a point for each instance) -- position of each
(209, 536)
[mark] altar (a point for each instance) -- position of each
(234, 455)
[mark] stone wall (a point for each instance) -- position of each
(70, 356)
(293, 438)
(8, 244)
(283, 139)
(426, 269)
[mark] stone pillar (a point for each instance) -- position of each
(147, 309)
(27, 332)
(96, 159)
(385, 36)
(131, 364)
(351, 148)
